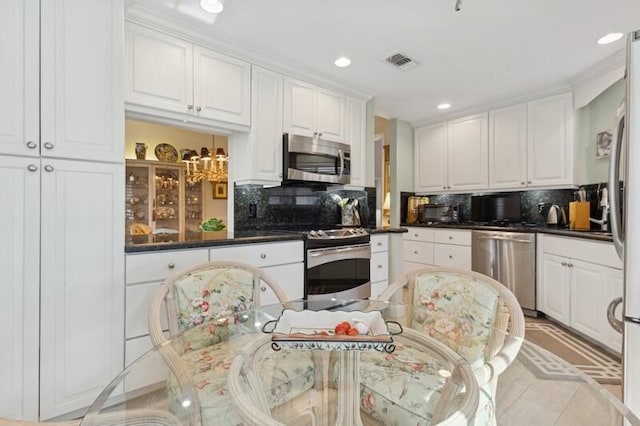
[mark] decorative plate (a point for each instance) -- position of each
(314, 330)
(167, 153)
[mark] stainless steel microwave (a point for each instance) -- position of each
(311, 159)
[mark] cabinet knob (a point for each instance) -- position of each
(48, 145)
(32, 167)
(415, 235)
(450, 257)
(263, 256)
(379, 243)
(263, 288)
(315, 133)
(521, 183)
(529, 182)
(450, 237)
(444, 187)
(48, 168)
(563, 263)
(320, 134)
(189, 107)
(379, 266)
(415, 252)
(171, 265)
(570, 265)
(32, 145)
(198, 109)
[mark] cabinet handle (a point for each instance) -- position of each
(48, 145)
(32, 145)
(320, 134)
(570, 265)
(379, 266)
(198, 109)
(529, 182)
(379, 243)
(415, 252)
(415, 235)
(171, 265)
(48, 168)
(521, 183)
(563, 263)
(32, 167)
(189, 107)
(450, 237)
(263, 288)
(315, 133)
(263, 256)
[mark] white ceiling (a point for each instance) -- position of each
(490, 51)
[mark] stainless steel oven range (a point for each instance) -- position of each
(337, 264)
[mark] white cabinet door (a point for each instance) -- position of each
(450, 255)
(588, 298)
(467, 153)
(356, 137)
(549, 141)
(222, 87)
(508, 147)
(19, 78)
(158, 70)
(82, 282)
(258, 155)
(290, 278)
(554, 288)
(299, 107)
(19, 292)
(431, 158)
(330, 110)
(81, 79)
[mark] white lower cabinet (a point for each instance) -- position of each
(379, 273)
(436, 247)
(284, 261)
(577, 279)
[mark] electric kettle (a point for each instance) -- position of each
(556, 216)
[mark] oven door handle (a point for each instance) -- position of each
(316, 257)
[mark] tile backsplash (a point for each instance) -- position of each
(297, 207)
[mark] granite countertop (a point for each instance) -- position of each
(565, 232)
(144, 243)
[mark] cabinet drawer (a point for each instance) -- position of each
(452, 255)
(452, 236)
(379, 266)
(159, 266)
(599, 252)
(291, 280)
(379, 243)
(153, 370)
(419, 234)
(138, 301)
(418, 251)
(261, 255)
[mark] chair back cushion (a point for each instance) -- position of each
(456, 309)
(212, 295)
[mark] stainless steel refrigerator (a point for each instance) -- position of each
(625, 227)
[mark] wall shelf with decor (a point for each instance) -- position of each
(160, 200)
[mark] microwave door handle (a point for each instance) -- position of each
(613, 186)
(341, 156)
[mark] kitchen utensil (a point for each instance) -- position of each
(556, 216)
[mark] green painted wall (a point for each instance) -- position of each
(401, 157)
(597, 116)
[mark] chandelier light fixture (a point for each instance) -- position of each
(205, 166)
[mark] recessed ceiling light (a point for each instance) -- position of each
(342, 62)
(444, 106)
(212, 6)
(610, 38)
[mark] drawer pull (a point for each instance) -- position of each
(415, 252)
(379, 266)
(379, 243)
(415, 235)
(563, 263)
(263, 288)
(171, 265)
(263, 256)
(450, 237)
(450, 257)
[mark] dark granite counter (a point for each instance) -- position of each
(143, 243)
(565, 232)
(388, 231)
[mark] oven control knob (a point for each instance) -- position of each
(313, 234)
(321, 233)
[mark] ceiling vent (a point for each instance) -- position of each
(402, 61)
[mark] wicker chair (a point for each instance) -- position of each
(209, 301)
(471, 313)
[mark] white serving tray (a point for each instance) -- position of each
(314, 330)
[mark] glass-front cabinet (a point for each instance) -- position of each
(161, 202)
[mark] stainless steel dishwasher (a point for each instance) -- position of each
(510, 258)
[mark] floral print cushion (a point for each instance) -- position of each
(401, 388)
(284, 377)
(457, 310)
(213, 295)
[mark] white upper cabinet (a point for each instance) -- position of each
(258, 154)
(167, 74)
(452, 156)
(467, 153)
(550, 141)
(313, 111)
(431, 158)
(508, 147)
(19, 77)
(356, 135)
(81, 80)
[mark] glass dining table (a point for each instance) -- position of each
(285, 364)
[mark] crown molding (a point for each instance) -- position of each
(550, 91)
(602, 68)
(185, 29)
